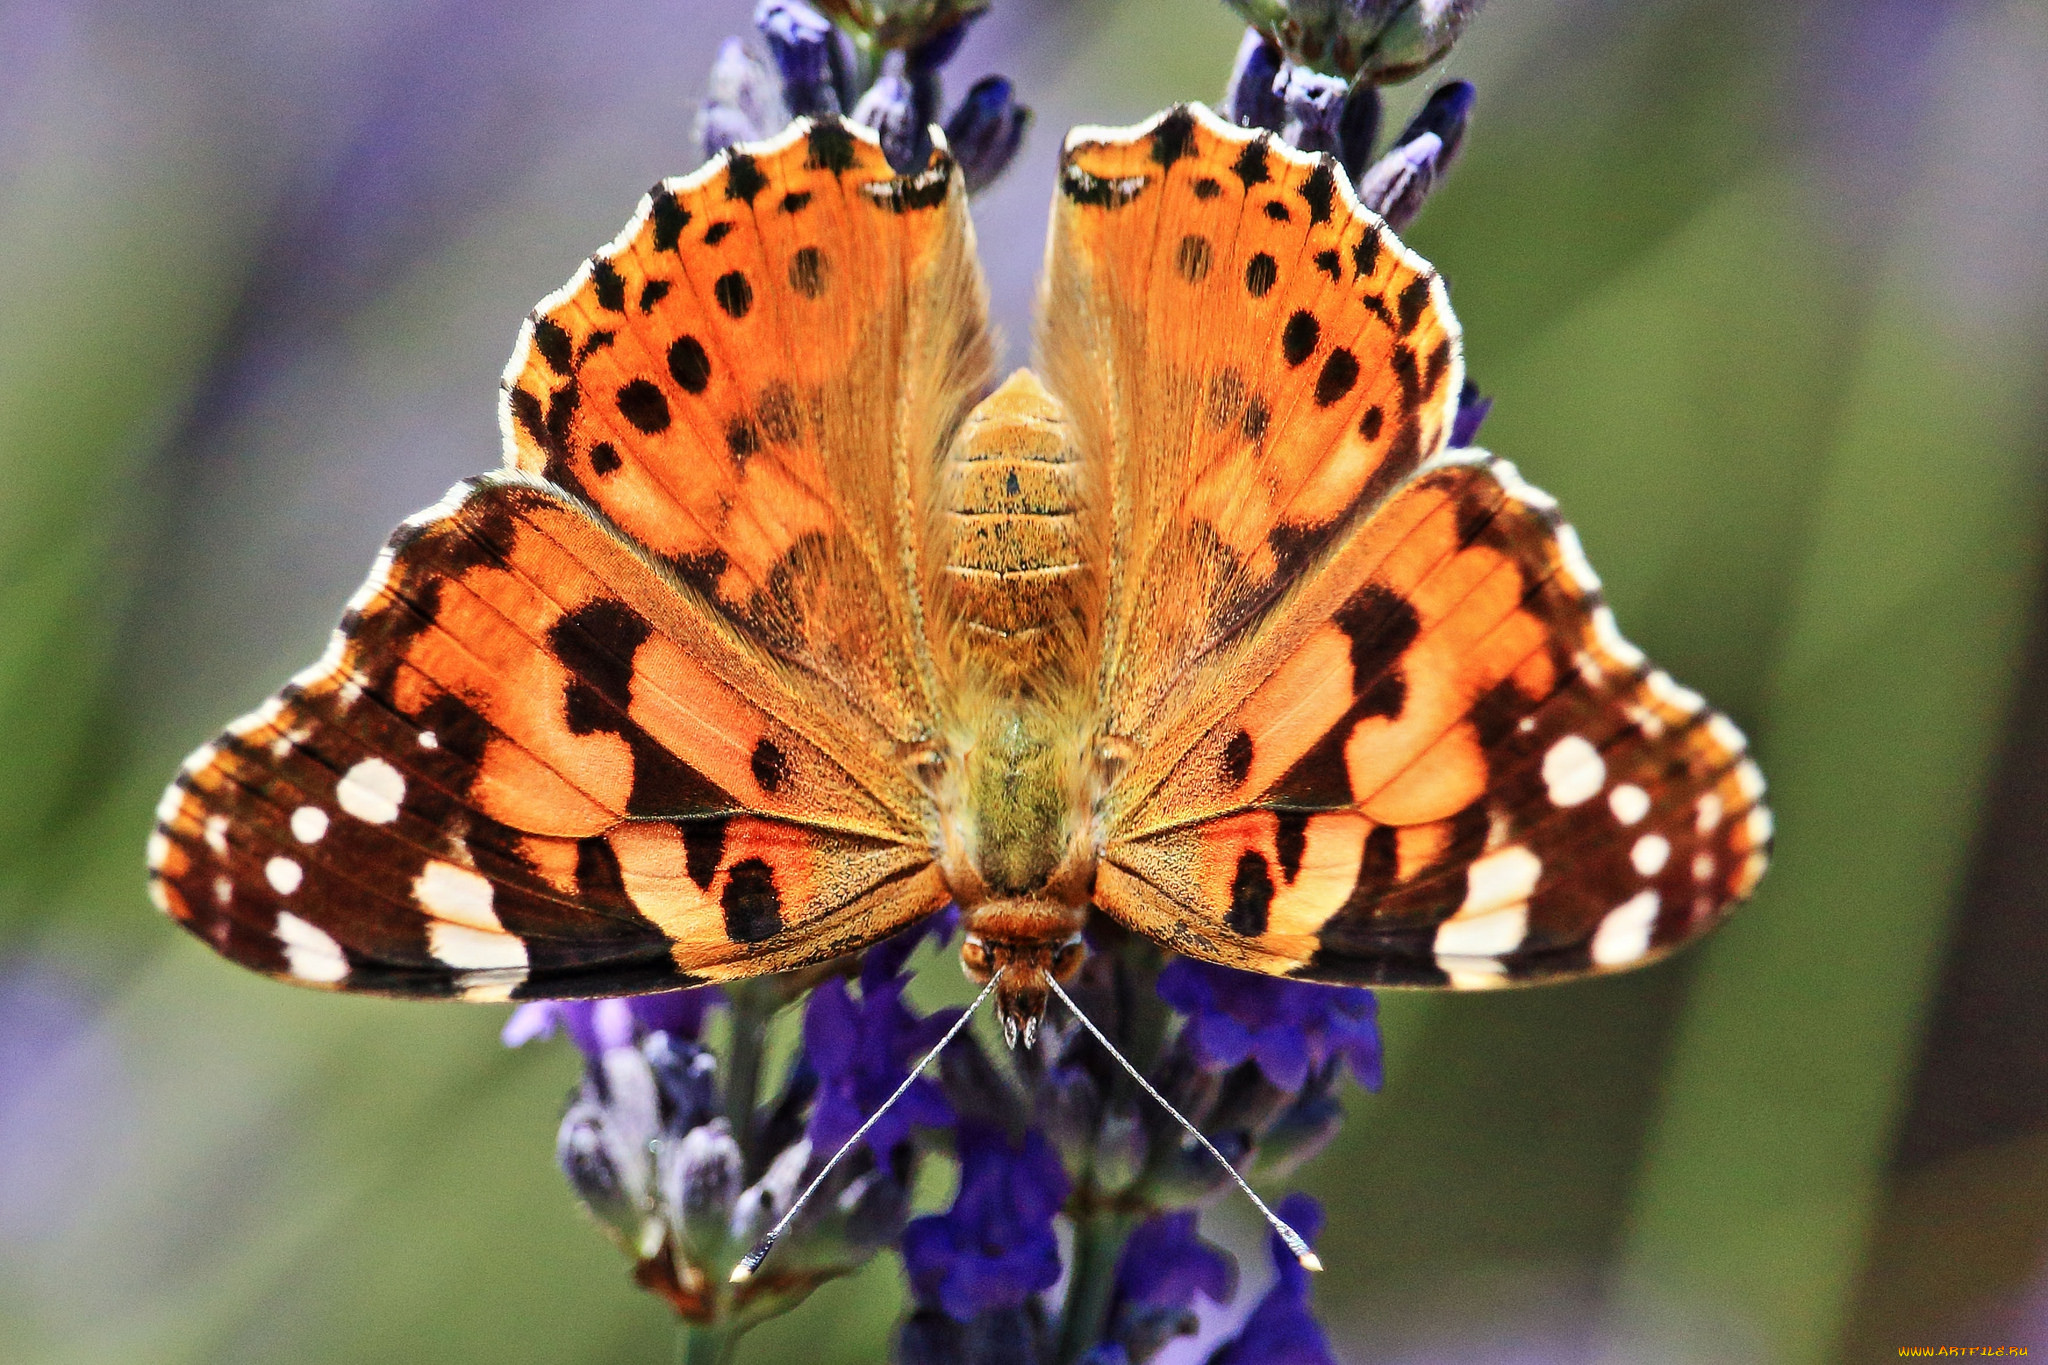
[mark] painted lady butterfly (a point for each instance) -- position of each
(779, 630)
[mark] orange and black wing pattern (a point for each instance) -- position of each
(1453, 770)
(622, 717)
(1380, 725)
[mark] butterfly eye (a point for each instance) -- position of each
(1068, 957)
(974, 956)
(927, 763)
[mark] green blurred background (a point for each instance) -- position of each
(1761, 291)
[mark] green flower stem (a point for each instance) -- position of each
(753, 1008)
(706, 1345)
(1098, 1238)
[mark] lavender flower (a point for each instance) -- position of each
(1396, 185)
(861, 1050)
(596, 1026)
(1288, 1028)
(1280, 1329)
(1472, 409)
(1164, 1268)
(995, 1247)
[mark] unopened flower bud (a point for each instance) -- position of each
(1312, 105)
(986, 131)
(800, 43)
(1250, 100)
(1380, 42)
(763, 1203)
(902, 24)
(900, 109)
(699, 1176)
(743, 104)
(608, 1174)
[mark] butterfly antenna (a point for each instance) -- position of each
(745, 1269)
(1293, 1239)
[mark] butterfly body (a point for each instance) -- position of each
(785, 625)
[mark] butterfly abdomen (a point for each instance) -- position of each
(1014, 582)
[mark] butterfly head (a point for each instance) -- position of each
(1030, 943)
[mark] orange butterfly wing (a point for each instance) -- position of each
(1379, 725)
(625, 716)
(1250, 362)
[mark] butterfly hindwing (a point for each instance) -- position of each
(1459, 773)
(533, 764)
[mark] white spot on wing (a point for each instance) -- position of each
(1492, 934)
(469, 949)
(223, 890)
(1573, 771)
(159, 849)
(309, 823)
(217, 834)
(1703, 867)
(170, 804)
(456, 894)
(1726, 734)
(1759, 826)
(1624, 935)
(1629, 803)
(159, 896)
(1504, 877)
(1683, 700)
(372, 790)
(1473, 973)
(490, 986)
(1650, 854)
(1607, 634)
(429, 740)
(283, 874)
(1709, 813)
(1749, 780)
(310, 952)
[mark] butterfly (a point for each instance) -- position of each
(783, 625)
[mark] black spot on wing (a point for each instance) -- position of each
(769, 765)
(598, 878)
(1278, 211)
(1381, 625)
(796, 201)
(1237, 760)
(1251, 895)
(829, 147)
(642, 404)
(669, 218)
(703, 848)
(1299, 337)
(551, 339)
(807, 272)
(752, 905)
(610, 286)
(604, 458)
(1258, 415)
(733, 293)
(1369, 425)
(1174, 138)
(1328, 262)
(1260, 273)
(743, 179)
(1251, 165)
(1207, 188)
(688, 364)
(1365, 253)
(1412, 300)
(718, 231)
(1192, 258)
(651, 293)
(1319, 192)
(1340, 372)
(1290, 841)
(1094, 191)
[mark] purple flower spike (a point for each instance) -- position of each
(1281, 1330)
(995, 1247)
(901, 110)
(1313, 105)
(1288, 1027)
(986, 131)
(1251, 100)
(598, 1025)
(1472, 409)
(861, 1050)
(1165, 1264)
(801, 42)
